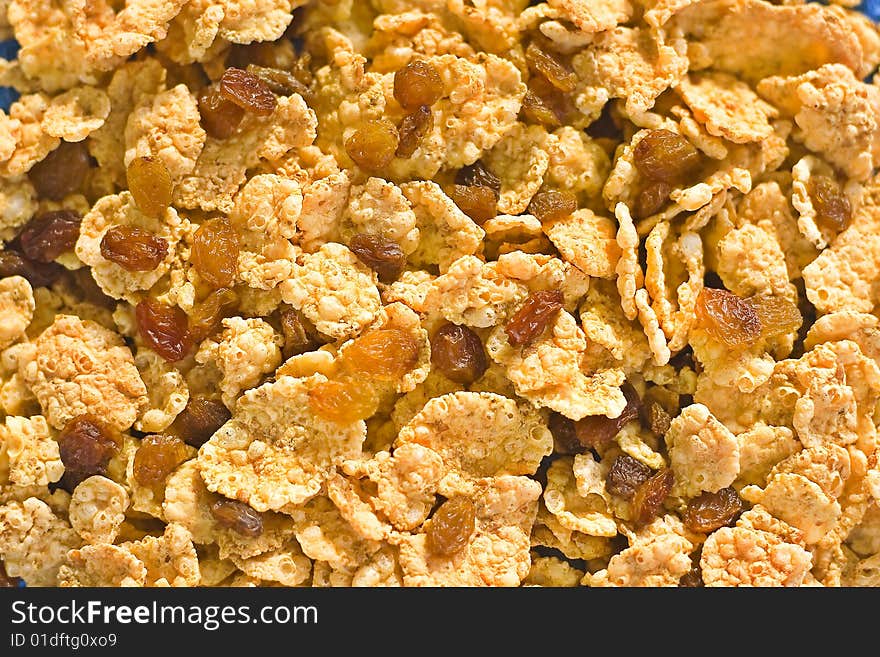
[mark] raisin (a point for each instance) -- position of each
(534, 316)
(299, 333)
(50, 234)
(86, 445)
(552, 205)
(626, 475)
(477, 175)
(650, 495)
(344, 400)
(7, 582)
(220, 118)
(598, 430)
(564, 437)
(157, 457)
(383, 256)
(776, 314)
(692, 578)
(281, 82)
(133, 248)
(711, 511)
(372, 145)
(479, 203)
(551, 68)
(833, 208)
(149, 182)
(164, 329)
(664, 156)
(215, 252)
(206, 315)
(727, 318)
(413, 129)
(658, 420)
(652, 198)
(62, 171)
(38, 274)
(416, 84)
(383, 354)
(199, 420)
(458, 353)
(238, 516)
(452, 526)
(247, 91)
(535, 110)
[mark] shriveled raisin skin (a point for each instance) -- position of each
(206, 316)
(657, 419)
(412, 130)
(417, 84)
(551, 68)
(281, 82)
(133, 248)
(215, 252)
(372, 145)
(86, 444)
(156, 458)
(479, 203)
(728, 318)
(832, 206)
(652, 198)
(149, 182)
(477, 175)
(626, 475)
(776, 314)
(50, 234)
(200, 420)
(383, 354)
(650, 495)
(38, 274)
(664, 156)
(457, 352)
(535, 315)
(164, 329)
(564, 437)
(62, 171)
(238, 516)
(536, 110)
(343, 400)
(299, 333)
(598, 430)
(710, 511)
(382, 255)
(248, 92)
(552, 205)
(220, 117)
(452, 526)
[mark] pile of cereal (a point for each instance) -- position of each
(439, 293)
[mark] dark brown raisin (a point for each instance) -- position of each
(372, 145)
(564, 437)
(552, 205)
(156, 458)
(692, 578)
(207, 315)
(727, 318)
(535, 315)
(199, 420)
(477, 175)
(417, 84)
(215, 251)
(551, 68)
(86, 444)
(457, 352)
(658, 420)
(598, 430)
(776, 314)
(299, 333)
(832, 206)
(38, 274)
(664, 156)
(133, 248)
(149, 182)
(238, 516)
(626, 475)
(710, 511)
(650, 495)
(652, 198)
(382, 354)
(247, 91)
(413, 129)
(383, 256)
(220, 117)
(452, 526)
(164, 329)
(62, 171)
(479, 203)
(50, 234)
(281, 82)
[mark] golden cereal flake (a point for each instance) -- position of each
(32, 143)
(188, 502)
(379, 207)
(577, 163)
(277, 530)
(17, 205)
(605, 326)
(745, 369)
(521, 159)
(246, 21)
(861, 328)
(638, 443)
(81, 367)
(593, 17)
(544, 272)
(167, 391)
(352, 502)
(16, 309)
(102, 565)
(75, 114)
(324, 203)
(166, 127)
(408, 33)
(865, 538)
(588, 514)
(334, 290)
(97, 509)
(703, 453)
(629, 272)
(287, 565)
(34, 541)
(588, 241)
(170, 559)
(751, 261)
(274, 452)
(573, 545)
(737, 556)
(552, 572)
(30, 451)
(761, 448)
(246, 351)
(489, 24)
(192, 34)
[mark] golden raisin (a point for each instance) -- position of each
(832, 206)
(552, 205)
(215, 252)
(199, 420)
(535, 315)
(664, 156)
(728, 318)
(711, 511)
(220, 117)
(457, 352)
(299, 333)
(157, 457)
(477, 175)
(479, 203)
(650, 495)
(238, 516)
(417, 84)
(651, 199)
(164, 329)
(281, 82)
(372, 145)
(86, 444)
(535, 110)
(247, 91)
(149, 182)
(551, 68)
(38, 274)
(383, 256)
(62, 171)
(206, 315)
(50, 234)
(776, 314)
(383, 354)
(452, 526)
(343, 400)
(626, 475)
(133, 248)
(413, 129)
